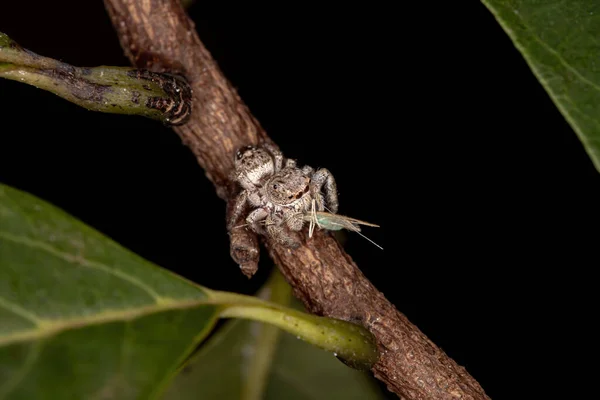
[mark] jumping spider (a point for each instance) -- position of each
(280, 195)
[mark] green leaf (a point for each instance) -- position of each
(249, 360)
(559, 41)
(82, 317)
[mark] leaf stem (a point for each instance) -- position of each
(116, 90)
(351, 343)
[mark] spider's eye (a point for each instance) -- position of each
(242, 151)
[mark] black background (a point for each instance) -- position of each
(440, 134)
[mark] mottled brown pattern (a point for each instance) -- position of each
(177, 106)
(156, 34)
(80, 88)
(243, 245)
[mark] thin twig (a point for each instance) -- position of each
(158, 35)
(118, 90)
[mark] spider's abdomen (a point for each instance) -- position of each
(255, 163)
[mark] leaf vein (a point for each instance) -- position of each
(54, 327)
(299, 386)
(81, 261)
(32, 356)
(551, 50)
(20, 311)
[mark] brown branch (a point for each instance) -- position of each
(158, 35)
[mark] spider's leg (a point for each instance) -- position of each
(289, 163)
(315, 188)
(307, 170)
(238, 208)
(294, 220)
(278, 232)
(324, 178)
(277, 155)
(245, 182)
(253, 219)
(254, 199)
(320, 200)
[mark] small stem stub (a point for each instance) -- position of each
(177, 105)
(118, 90)
(243, 245)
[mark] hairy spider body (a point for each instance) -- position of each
(279, 194)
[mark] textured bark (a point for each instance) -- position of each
(158, 35)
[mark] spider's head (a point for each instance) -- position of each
(255, 163)
(288, 186)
